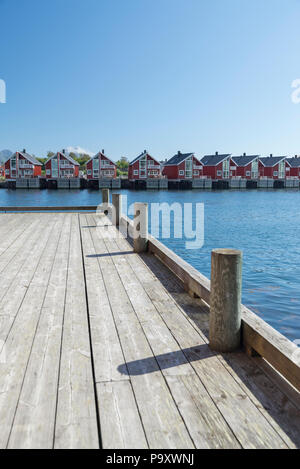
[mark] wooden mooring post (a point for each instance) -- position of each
(225, 300)
(117, 208)
(105, 196)
(105, 201)
(140, 227)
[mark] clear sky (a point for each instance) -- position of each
(161, 75)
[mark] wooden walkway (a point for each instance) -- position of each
(104, 348)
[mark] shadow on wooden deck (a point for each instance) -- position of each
(271, 393)
(165, 360)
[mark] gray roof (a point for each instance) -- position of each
(244, 160)
(214, 160)
(271, 161)
(94, 156)
(65, 155)
(140, 156)
(28, 157)
(294, 162)
(99, 154)
(177, 159)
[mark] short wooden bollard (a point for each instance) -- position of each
(105, 196)
(225, 300)
(117, 208)
(140, 230)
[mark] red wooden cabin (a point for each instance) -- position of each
(22, 165)
(293, 171)
(218, 166)
(273, 167)
(183, 166)
(246, 166)
(101, 167)
(144, 166)
(61, 165)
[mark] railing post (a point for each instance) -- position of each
(117, 208)
(225, 300)
(140, 230)
(105, 196)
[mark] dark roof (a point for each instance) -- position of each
(178, 158)
(28, 157)
(140, 156)
(65, 155)
(244, 160)
(214, 160)
(100, 153)
(271, 161)
(294, 162)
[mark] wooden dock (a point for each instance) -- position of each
(104, 348)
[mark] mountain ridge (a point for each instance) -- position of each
(4, 155)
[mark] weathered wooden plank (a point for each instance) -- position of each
(120, 421)
(76, 421)
(106, 345)
(204, 422)
(8, 223)
(281, 412)
(35, 415)
(18, 252)
(164, 347)
(18, 344)
(270, 392)
(257, 334)
(251, 428)
(11, 233)
(280, 382)
(162, 422)
(280, 352)
(20, 275)
(64, 208)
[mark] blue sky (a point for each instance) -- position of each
(165, 75)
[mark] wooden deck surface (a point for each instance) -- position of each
(102, 347)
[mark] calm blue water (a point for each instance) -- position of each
(265, 225)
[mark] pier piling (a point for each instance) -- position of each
(140, 232)
(117, 208)
(105, 196)
(225, 300)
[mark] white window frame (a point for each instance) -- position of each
(89, 172)
(219, 173)
(275, 173)
(135, 172)
(181, 172)
(248, 173)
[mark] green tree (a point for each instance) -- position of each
(82, 160)
(122, 166)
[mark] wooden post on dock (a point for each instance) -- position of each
(225, 300)
(105, 201)
(140, 230)
(105, 196)
(117, 208)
